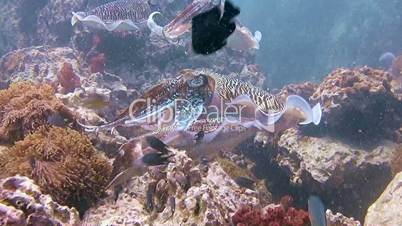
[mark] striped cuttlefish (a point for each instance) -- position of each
(200, 110)
(138, 15)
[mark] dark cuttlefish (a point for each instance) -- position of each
(212, 24)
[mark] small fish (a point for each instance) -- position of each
(316, 211)
(161, 157)
(155, 159)
(245, 182)
(386, 60)
(157, 144)
(211, 29)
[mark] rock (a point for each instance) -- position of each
(387, 210)
(359, 106)
(22, 203)
(304, 90)
(26, 23)
(339, 220)
(347, 177)
(54, 22)
(175, 197)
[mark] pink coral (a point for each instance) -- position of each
(272, 215)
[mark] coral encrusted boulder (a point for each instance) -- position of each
(22, 203)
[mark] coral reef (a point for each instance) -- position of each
(40, 64)
(62, 162)
(359, 105)
(183, 193)
(22, 203)
(67, 78)
(329, 167)
(26, 106)
(304, 90)
(386, 210)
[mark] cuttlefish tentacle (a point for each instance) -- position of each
(182, 22)
(162, 94)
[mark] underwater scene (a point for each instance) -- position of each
(200, 112)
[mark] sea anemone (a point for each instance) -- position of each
(25, 106)
(62, 162)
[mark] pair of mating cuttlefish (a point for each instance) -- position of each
(137, 15)
(199, 111)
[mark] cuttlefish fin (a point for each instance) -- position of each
(243, 100)
(312, 115)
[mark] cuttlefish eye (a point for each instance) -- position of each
(197, 82)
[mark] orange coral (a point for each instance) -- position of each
(67, 78)
(25, 106)
(62, 162)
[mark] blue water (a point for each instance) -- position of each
(305, 39)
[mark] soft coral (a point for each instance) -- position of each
(67, 78)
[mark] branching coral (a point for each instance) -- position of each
(272, 215)
(62, 162)
(25, 106)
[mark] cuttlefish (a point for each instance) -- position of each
(200, 110)
(242, 39)
(120, 15)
